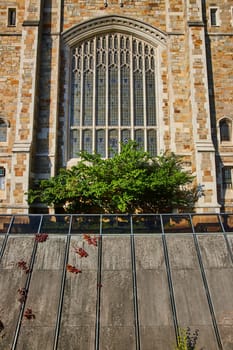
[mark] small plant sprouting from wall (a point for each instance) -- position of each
(23, 265)
(22, 295)
(186, 340)
(28, 314)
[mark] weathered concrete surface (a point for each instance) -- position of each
(79, 303)
(156, 325)
(107, 309)
(219, 272)
(43, 296)
(1, 242)
(230, 239)
(116, 310)
(11, 279)
(190, 298)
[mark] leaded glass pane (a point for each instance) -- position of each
(125, 96)
(87, 141)
(135, 47)
(100, 96)
(139, 138)
(100, 143)
(110, 42)
(86, 47)
(75, 143)
(151, 142)
(113, 96)
(87, 98)
(76, 100)
(150, 99)
(138, 99)
(125, 135)
(113, 142)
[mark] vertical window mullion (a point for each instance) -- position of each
(144, 99)
(107, 93)
(94, 97)
(81, 99)
(155, 59)
(119, 89)
(131, 90)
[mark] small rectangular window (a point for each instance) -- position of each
(214, 20)
(2, 178)
(11, 17)
(227, 177)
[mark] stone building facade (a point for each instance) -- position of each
(86, 74)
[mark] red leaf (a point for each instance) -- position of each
(72, 269)
(41, 237)
(81, 252)
(90, 240)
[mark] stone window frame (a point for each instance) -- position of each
(11, 16)
(223, 140)
(122, 26)
(4, 129)
(214, 21)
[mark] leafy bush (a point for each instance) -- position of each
(131, 181)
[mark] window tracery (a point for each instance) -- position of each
(113, 94)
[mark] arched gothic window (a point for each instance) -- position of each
(113, 94)
(225, 127)
(3, 130)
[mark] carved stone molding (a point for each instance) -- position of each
(109, 24)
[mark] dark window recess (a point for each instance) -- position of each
(2, 178)
(3, 131)
(227, 178)
(2, 171)
(213, 16)
(225, 130)
(11, 17)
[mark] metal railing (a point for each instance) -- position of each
(116, 224)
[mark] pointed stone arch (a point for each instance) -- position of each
(111, 23)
